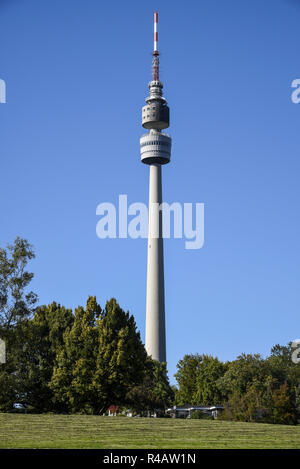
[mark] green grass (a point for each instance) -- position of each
(85, 431)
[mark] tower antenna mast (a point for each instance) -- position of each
(155, 53)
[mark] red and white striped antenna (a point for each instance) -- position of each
(155, 53)
(155, 31)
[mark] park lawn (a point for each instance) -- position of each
(89, 431)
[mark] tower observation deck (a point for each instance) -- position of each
(155, 148)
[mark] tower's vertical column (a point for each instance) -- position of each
(155, 149)
(155, 307)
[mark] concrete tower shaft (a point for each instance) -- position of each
(155, 149)
(155, 304)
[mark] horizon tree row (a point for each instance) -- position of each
(60, 361)
(251, 388)
(84, 361)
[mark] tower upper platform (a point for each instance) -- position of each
(155, 115)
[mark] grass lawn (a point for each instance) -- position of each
(86, 431)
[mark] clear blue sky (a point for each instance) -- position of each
(77, 74)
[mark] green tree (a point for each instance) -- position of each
(197, 376)
(208, 373)
(42, 338)
(121, 356)
(16, 306)
(154, 393)
(283, 406)
(257, 389)
(101, 358)
(247, 407)
(187, 369)
(242, 373)
(16, 303)
(72, 381)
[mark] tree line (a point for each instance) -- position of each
(83, 361)
(251, 388)
(58, 360)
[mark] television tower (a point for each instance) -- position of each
(155, 149)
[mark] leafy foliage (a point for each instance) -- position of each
(121, 356)
(83, 362)
(15, 303)
(102, 356)
(251, 388)
(74, 368)
(197, 376)
(42, 337)
(154, 393)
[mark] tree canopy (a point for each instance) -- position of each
(84, 361)
(16, 303)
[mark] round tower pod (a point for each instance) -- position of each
(155, 147)
(156, 113)
(155, 116)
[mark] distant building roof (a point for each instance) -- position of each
(195, 407)
(113, 408)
